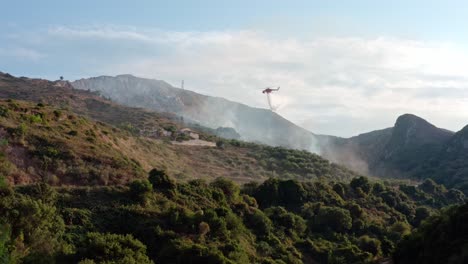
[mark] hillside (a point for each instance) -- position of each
(107, 136)
(413, 148)
(253, 124)
(449, 165)
(62, 95)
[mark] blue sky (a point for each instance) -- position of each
(421, 19)
(338, 60)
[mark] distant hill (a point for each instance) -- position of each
(412, 148)
(63, 135)
(413, 142)
(253, 124)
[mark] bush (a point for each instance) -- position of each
(259, 223)
(4, 241)
(160, 180)
(4, 186)
(429, 186)
(37, 118)
(371, 245)
(112, 248)
(335, 218)
(36, 228)
(57, 113)
(228, 187)
(421, 214)
(293, 224)
(220, 144)
(140, 190)
(401, 229)
(4, 111)
(362, 183)
(355, 210)
(340, 189)
(21, 130)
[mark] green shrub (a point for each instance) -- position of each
(371, 245)
(4, 112)
(334, 218)
(112, 248)
(362, 183)
(229, 188)
(140, 190)
(36, 118)
(161, 181)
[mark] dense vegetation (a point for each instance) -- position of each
(163, 221)
(443, 238)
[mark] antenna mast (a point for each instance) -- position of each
(182, 84)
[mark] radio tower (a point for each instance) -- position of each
(182, 85)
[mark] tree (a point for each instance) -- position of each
(440, 239)
(455, 196)
(41, 191)
(400, 229)
(36, 228)
(371, 245)
(140, 190)
(4, 240)
(429, 186)
(355, 210)
(267, 193)
(259, 223)
(292, 223)
(421, 214)
(161, 181)
(362, 183)
(335, 218)
(5, 188)
(228, 187)
(339, 188)
(291, 193)
(377, 188)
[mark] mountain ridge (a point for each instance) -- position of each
(405, 150)
(253, 124)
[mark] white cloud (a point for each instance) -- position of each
(339, 86)
(21, 53)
